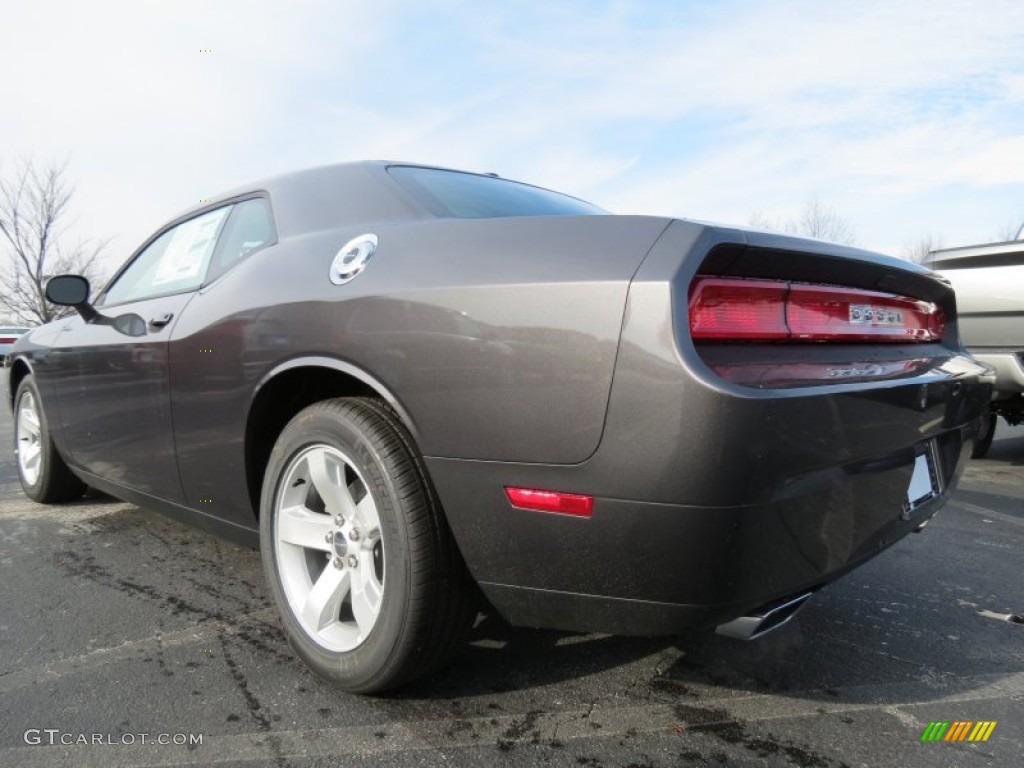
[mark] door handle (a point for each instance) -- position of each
(161, 320)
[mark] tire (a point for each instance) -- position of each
(986, 433)
(375, 609)
(43, 474)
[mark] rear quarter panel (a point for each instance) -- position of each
(497, 337)
(510, 331)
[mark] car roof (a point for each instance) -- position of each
(330, 196)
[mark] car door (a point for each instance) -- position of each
(113, 382)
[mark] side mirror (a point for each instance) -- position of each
(71, 291)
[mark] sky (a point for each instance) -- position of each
(907, 118)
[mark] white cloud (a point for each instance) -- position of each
(906, 117)
(150, 124)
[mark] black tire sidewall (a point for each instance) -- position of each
(362, 667)
(986, 434)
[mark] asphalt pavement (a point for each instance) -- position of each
(119, 627)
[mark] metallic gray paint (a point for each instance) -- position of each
(113, 394)
(732, 496)
(547, 352)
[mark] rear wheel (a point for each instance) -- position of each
(986, 433)
(43, 474)
(363, 569)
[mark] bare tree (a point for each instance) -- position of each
(825, 223)
(34, 206)
(918, 251)
(813, 220)
(762, 220)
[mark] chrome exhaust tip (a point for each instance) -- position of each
(764, 620)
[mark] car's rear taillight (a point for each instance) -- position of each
(738, 309)
(741, 309)
(8, 339)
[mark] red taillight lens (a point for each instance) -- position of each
(8, 339)
(731, 309)
(750, 310)
(550, 501)
(824, 313)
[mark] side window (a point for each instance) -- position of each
(174, 262)
(248, 229)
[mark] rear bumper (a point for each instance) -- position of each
(643, 568)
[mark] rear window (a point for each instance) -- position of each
(453, 194)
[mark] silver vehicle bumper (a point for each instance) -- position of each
(1009, 367)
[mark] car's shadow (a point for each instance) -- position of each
(93, 496)
(847, 646)
(499, 658)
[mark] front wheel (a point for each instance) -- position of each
(43, 474)
(366, 577)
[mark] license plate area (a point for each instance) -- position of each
(925, 480)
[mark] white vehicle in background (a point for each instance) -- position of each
(8, 335)
(989, 285)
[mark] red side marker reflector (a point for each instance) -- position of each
(550, 501)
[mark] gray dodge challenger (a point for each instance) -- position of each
(414, 388)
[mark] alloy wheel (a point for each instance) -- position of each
(329, 548)
(28, 433)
